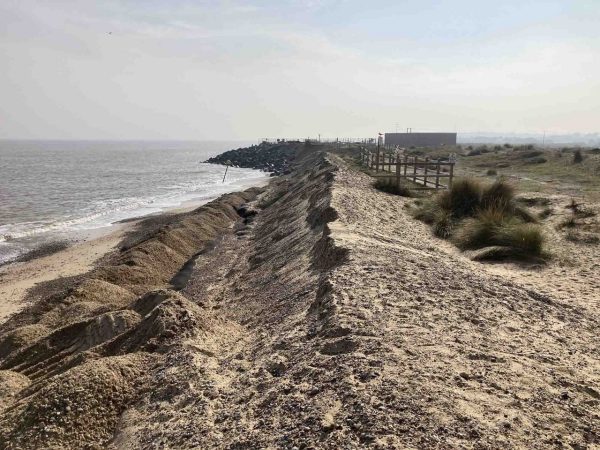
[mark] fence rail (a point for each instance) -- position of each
(426, 173)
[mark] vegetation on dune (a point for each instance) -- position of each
(578, 229)
(388, 185)
(463, 199)
(476, 216)
(582, 238)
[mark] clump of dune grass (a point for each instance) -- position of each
(476, 216)
(480, 231)
(569, 222)
(442, 224)
(462, 199)
(498, 195)
(524, 238)
(491, 172)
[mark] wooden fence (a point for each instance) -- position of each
(425, 173)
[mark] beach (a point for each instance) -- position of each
(313, 312)
(16, 279)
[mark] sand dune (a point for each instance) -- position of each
(316, 314)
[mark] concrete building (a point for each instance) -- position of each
(420, 139)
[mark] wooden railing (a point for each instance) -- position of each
(424, 173)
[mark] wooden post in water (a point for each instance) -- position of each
(227, 164)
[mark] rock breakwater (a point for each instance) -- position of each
(274, 158)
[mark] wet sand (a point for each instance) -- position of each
(17, 278)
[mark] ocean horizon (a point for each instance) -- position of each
(59, 189)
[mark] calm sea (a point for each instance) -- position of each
(54, 189)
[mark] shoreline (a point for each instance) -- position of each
(18, 241)
(86, 248)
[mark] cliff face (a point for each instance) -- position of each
(316, 314)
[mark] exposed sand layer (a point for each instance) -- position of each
(317, 314)
(16, 279)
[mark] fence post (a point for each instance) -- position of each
(437, 175)
(398, 171)
(415, 169)
(405, 164)
(451, 175)
(425, 175)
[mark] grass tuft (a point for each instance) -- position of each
(499, 194)
(462, 199)
(477, 216)
(523, 237)
(443, 224)
(390, 186)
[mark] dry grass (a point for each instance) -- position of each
(476, 216)
(582, 238)
(390, 186)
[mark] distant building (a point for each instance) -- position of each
(420, 139)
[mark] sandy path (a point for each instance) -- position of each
(16, 279)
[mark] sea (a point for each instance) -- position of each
(61, 190)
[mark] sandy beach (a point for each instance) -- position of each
(17, 278)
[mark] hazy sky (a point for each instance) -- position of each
(174, 69)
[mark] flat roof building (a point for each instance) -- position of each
(420, 139)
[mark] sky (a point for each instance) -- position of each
(158, 69)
